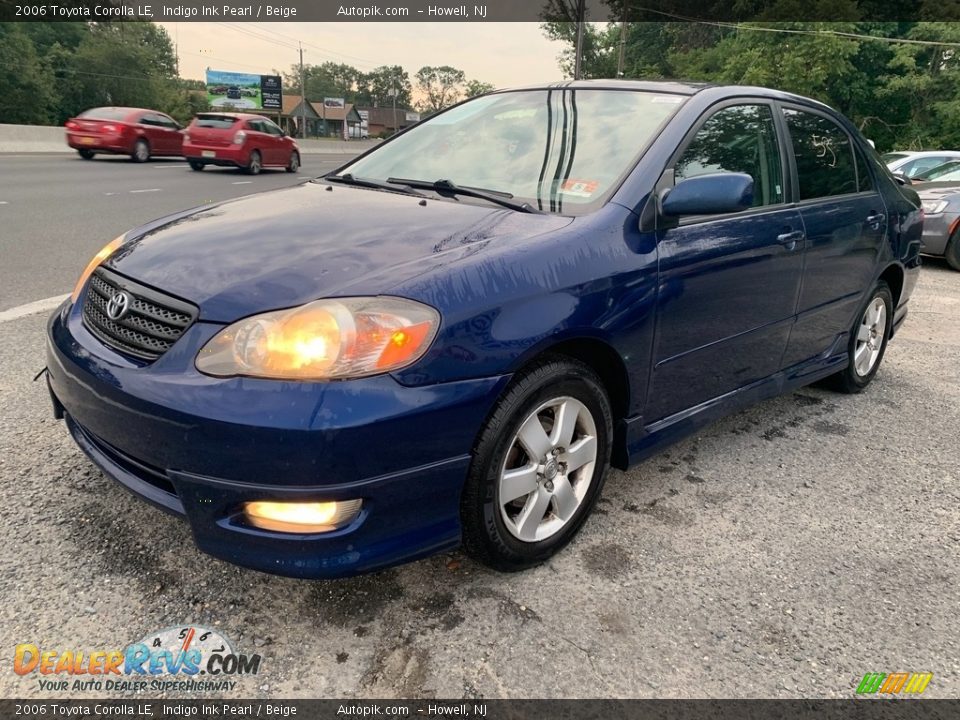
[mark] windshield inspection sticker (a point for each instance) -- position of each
(579, 188)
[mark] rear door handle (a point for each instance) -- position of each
(790, 239)
(876, 220)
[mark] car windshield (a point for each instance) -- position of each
(890, 157)
(105, 113)
(560, 150)
(940, 172)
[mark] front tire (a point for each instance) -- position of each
(538, 465)
(868, 342)
(952, 253)
(294, 162)
(255, 165)
(197, 165)
(141, 151)
(86, 154)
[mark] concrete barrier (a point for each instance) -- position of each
(32, 138)
(45, 139)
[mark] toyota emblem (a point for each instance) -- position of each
(118, 306)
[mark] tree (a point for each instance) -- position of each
(477, 87)
(26, 86)
(440, 86)
(375, 87)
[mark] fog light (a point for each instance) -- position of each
(301, 517)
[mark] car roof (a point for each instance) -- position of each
(925, 153)
(677, 87)
(238, 116)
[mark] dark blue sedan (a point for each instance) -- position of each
(449, 340)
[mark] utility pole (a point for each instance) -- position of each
(578, 60)
(393, 91)
(623, 44)
(303, 98)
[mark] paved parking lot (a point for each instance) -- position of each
(785, 551)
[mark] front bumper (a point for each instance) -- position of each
(200, 447)
(937, 230)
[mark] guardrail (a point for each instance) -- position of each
(46, 139)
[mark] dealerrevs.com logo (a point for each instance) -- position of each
(894, 683)
(184, 658)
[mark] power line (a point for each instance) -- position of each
(794, 31)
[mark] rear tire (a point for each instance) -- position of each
(141, 151)
(868, 342)
(534, 477)
(86, 154)
(952, 253)
(294, 162)
(255, 165)
(197, 165)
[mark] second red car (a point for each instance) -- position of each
(250, 142)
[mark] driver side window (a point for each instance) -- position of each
(737, 139)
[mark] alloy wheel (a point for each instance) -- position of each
(548, 469)
(870, 336)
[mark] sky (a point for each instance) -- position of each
(504, 54)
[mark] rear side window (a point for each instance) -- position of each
(825, 164)
(220, 122)
(737, 139)
(105, 113)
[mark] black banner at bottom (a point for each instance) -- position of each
(857, 709)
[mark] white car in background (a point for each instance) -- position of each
(913, 163)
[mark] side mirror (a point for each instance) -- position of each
(902, 178)
(714, 194)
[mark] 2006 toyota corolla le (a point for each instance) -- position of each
(450, 339)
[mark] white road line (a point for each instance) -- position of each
(147, 190)
(4, 202)
(108, 194)
(37, 306)
(242, 182)
(164, 167)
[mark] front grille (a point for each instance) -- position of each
(152, 323)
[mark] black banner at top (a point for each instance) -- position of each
(698, 11)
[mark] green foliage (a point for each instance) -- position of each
(900, 94)
(439, 86)
(472, 88)
(53, 71)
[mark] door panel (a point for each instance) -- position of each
(727, 297)
(845, 221)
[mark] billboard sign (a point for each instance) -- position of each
(334, 102)
(412, 116)
(243, 91)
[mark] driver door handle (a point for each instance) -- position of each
(790, 239)
(875, 221)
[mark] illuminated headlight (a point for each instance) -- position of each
(301, 517)
(323, 340)
(932, 207)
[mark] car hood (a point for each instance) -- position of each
(286, 247)
(930, 190)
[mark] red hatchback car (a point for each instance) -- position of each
(251, 142)
(136, 132)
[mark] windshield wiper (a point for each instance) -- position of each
(350, 179)
(446, 186)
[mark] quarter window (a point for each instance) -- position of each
(737, 139)
(825, 164)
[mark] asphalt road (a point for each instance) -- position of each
(57, 210)
(783, 552)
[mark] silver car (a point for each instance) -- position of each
(941, 207)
